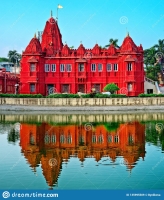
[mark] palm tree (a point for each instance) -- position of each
(160, 46)
(14, 56)
(149, 56)
(114, 42)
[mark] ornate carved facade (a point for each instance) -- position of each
(48, 64)
(43, 143)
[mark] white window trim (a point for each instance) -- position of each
(91, 67)
(110, 67)
(116, 139)
(101, 67)
(63, 67)
(80, 67)
(67, 68)
(52, 66)
(45, 67)
(129, 67)
(32, 84)
(31, 66)
(114, 67)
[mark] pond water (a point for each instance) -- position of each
(82, 151)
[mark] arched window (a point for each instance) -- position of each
(81, 138)
(129, 66)
(62, 139)
(53, 138)
(130, 139)
(109, 138)
(94, 138)
(116, 138)
(47, 138)
(100, 138)
(69, 138)
(129, 87)
(32, 139)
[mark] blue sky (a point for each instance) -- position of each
(89, 21)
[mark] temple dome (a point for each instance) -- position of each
(81, 50)
(66, 50)
(128, 45)
(34, 46)
(111, 50)
(51, 37)
(96, 50)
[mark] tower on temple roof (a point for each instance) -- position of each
(51, 38)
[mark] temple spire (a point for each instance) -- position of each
(35, 35)
(127, 32)
(51, 13)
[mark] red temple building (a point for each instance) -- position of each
(8, 82)
(47, 64)
(41, 143)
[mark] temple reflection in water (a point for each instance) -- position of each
(42, 142)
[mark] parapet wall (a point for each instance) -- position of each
(81, 102)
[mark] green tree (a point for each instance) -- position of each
(149, 56)
(160, 46)
(4, 59)
(153, 57)
(111, 87)
(114, 42)
(71, 47)
(14, 56)
(13, 136)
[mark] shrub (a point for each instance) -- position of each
(151, 95)
(21, 95)
(111, 87)
(63, 96)
(85, 96)
(118, 96)
(160, 95)
(102, 96)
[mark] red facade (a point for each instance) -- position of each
(8, 82)
(49, 66)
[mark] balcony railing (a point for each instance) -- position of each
(149, 80)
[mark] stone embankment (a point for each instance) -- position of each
(82, 104)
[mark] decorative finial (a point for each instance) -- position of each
(51, 13)
(80, 42)
(127, 32)
(35, 35)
